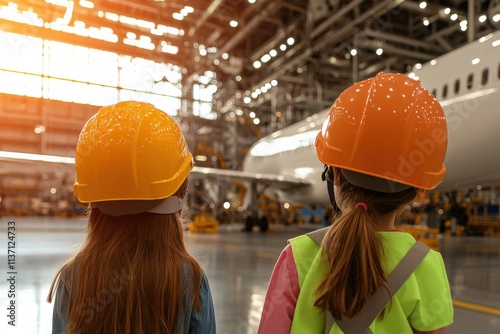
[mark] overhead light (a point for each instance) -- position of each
(379, 51)
(463, 25)
(425, 21)
(39, 129)
(422, 5)
(454, 16)
(86, 4)
(178, 16)
(290, 40)
(283, 47)
(257, 64)
(265, 58)
(354, 52)
(482, 18)
(233, 23)
(201, 158)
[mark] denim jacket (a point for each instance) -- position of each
(202, 322)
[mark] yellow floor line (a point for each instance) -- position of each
(268, 255)
(476, 307)
(230, 247)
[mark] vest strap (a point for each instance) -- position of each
(361, 323)
(318, 235)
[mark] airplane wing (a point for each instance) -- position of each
(276, 181)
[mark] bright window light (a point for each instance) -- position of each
(36, 157)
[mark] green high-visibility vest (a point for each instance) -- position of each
(423, 302)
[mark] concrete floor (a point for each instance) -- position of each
(238, 266)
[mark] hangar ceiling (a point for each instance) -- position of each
(282, 60)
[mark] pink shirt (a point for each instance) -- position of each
(281, 298)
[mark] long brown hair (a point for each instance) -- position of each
(128, 276)
(353, 250)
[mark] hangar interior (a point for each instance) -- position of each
(229, 71)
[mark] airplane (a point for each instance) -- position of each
(465, 81)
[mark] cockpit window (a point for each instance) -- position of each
(457, 86)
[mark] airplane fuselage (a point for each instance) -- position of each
(467, 84)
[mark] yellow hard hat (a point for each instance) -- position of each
(388, 127)
(130, 151)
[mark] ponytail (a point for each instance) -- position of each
(353, 250)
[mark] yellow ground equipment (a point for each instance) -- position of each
(203, 223)
(426, 235)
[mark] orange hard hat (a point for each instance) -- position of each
(387, 127)
(130, 151)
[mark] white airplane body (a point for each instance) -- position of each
(473, 117)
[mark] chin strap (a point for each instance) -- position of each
(327, 176)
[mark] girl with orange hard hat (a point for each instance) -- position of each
(383, 144)
(133, 274)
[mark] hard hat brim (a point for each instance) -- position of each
(125, 207)
(373, 183)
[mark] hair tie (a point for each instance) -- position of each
(361, 204)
